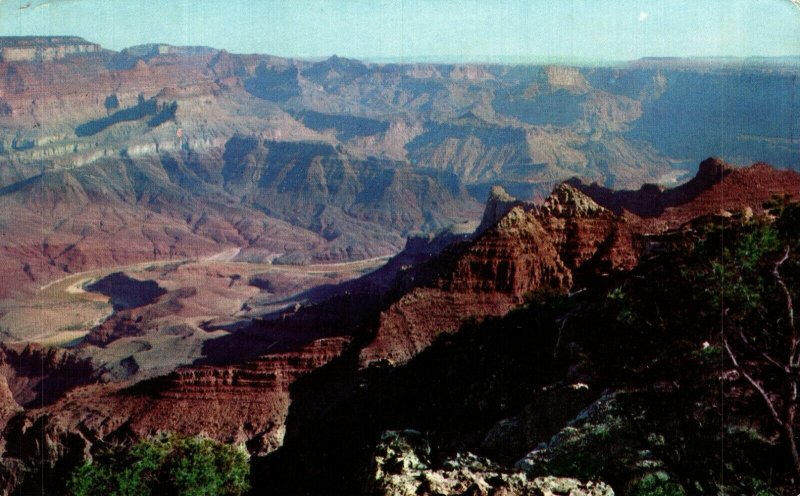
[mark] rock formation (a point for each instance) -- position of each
(402, 467)
(528, 248)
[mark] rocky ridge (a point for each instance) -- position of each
(717, 187)
(528, 248)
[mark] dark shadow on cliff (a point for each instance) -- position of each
(344, 314)
(348, 309)
(455, 391)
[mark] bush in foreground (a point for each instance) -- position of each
(167, 464)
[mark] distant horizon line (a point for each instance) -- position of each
(437, 59)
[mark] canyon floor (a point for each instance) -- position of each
(213, 295)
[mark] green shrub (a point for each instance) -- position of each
(167, 464)
(657, 484)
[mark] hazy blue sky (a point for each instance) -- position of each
(473, 30)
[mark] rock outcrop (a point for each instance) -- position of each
(497, 206)
(36, 376)
(8, 405)
(520, 248)
(401, 467)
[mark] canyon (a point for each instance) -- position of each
(260, 250)
(227, 150)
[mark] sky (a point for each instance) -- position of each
(432, 30)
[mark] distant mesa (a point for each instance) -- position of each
(139, 55)
(39, 48)
(153, 49)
